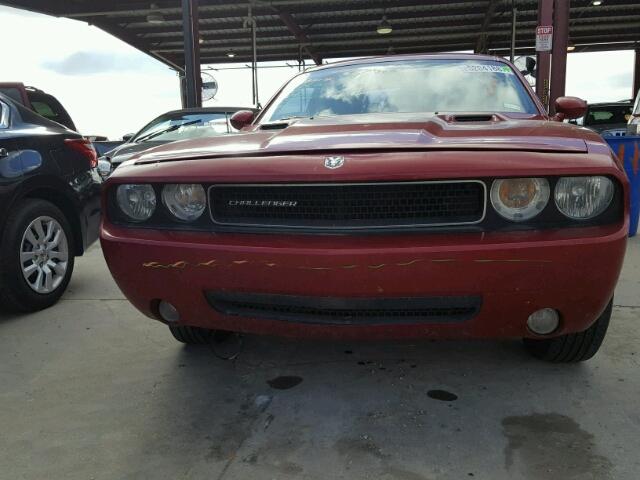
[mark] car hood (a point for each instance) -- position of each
(385, 132)
(125, 151)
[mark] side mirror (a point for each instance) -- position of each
(127, 136)
(569, 108)
(241, 119)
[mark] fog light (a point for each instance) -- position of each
(168, 312)
(543, 321)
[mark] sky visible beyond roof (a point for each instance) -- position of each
(110, 88)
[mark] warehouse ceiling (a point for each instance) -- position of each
(322, 29)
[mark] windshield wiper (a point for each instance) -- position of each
(293, 117)
(283, 122)
(171, 128)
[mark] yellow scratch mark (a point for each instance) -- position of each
(377, 266)
(512, 260)
(406, 264)
(349, 266)
(442, 260)
(210, 263)
(180, 264)
(315, 268)
(270, 264)
(240, 262)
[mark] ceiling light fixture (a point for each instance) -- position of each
(155, 17)
(384, 28)
(571, 46)
(231, 54)
(596, 3)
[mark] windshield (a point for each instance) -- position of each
(187, 126)
(609, 114)
(404, 86)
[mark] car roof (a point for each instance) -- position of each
(206, 110)
(412, 56)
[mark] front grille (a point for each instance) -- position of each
(358, 205)
(346, 311)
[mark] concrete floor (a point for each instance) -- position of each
(90, 389)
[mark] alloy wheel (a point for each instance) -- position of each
(44, 254)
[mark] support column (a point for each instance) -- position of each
(183, 89)
(559, 57)
(514, 21)
(192, 79)
(636, 74)
(543, 60)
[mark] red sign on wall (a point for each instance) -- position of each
(544, 39)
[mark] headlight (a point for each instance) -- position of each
(519, 199)
(138, 202)
(582, 198)
(185, 201)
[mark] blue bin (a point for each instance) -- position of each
(627, 149)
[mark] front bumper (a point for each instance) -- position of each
(573, 270)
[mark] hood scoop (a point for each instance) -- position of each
(472, 118)
(274, 126)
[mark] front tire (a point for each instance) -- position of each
(36, 257)
(572, 347)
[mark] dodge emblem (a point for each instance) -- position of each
(333, 162)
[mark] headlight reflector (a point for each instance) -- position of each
(137, 201)
(185, 201)
(519, 199)
(582, 198)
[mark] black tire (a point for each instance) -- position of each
(15, 293)
(192, 335)
(573, 347)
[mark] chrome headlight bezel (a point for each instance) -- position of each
(137, 201)
(521, 214)
(182, 204)
(570, 194)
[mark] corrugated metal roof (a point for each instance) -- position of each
(344, 28)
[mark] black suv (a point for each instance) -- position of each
(49, 206)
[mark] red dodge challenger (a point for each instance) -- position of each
(422, 196)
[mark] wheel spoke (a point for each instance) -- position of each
(48, 278)
(56, 239)
(59, 268)
(51, 229)
(27, 271)
(31, 237)
(38, 227)
(39, 280)
(62, 256)
(24, 256)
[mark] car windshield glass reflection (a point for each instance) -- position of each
(185, 127)
(403, 87)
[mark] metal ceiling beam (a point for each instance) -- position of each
(419, 39)
(142, 8)
(349, 24)
(139, 44)
(297, 32)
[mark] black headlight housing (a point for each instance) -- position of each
(549, 217)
